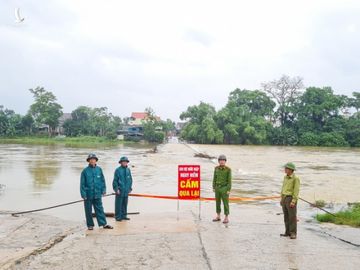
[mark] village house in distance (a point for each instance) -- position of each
(134, 127)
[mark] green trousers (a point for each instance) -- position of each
(121, 207)
(290, 218)
(99, 212)
(221, 195)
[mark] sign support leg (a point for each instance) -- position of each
(199, 208)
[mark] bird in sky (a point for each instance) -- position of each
(18, 17)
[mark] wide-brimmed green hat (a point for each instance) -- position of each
(290, 166)
(92, 156)
(124, 159)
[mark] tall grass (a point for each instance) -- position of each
(349, 217)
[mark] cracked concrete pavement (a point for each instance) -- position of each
(181, 241)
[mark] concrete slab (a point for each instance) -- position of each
(150, 223)
(250, 241)
(30, 234)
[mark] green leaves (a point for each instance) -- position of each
(12, 124)
(92, 122)
(201, 126)
(45, 110)
(315, 117)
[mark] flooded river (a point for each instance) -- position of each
(39, 176)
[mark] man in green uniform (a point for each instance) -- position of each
(92, 188)
(122, 185)
(222, 187)
(289, 197)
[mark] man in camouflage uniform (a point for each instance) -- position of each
(222, 187)
(289, 197)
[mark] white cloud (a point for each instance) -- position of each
(128, 55)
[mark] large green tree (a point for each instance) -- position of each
(355, 101)
(153, 127)
(93, 122)
(256, 101)
(243, 120)
(319, 110)
(45, 110)
(201, 126)
(10, 123)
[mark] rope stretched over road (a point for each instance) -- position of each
(170, 198)
(314, 205)
(146, 196)
(204, 198)
(54, 206)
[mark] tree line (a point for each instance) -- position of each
(46, 112)
(282, 112)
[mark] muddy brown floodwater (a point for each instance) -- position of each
(40, 176)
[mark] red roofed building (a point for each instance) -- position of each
(137, 118)
(139, 115)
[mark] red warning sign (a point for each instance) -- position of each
(188, 182)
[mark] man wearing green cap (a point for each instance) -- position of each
(222, 186)
(122, 185)
(289, 197)
(92, 188)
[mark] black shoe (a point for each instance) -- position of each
(108, 227)
(118, 219)
(126, 218)
(284, 235)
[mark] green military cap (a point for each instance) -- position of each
(290, 166)
(222, 157)
(92, 156)
(124, 159)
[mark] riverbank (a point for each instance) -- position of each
(349, 216)
(82, 141)
(30, 235)
(170, 240)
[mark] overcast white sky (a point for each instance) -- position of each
(128, 55)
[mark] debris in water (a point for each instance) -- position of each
(153, 151)
(202, 155)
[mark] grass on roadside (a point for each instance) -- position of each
(349, 217)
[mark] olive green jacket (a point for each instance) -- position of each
(291, 187)
(222, 177)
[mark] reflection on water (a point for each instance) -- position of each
(38, 176)
(43, 172)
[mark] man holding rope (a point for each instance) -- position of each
(92, 188)
(289, 197)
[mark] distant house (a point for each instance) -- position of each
(137, 118)
(130, 132)
(60, 128)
